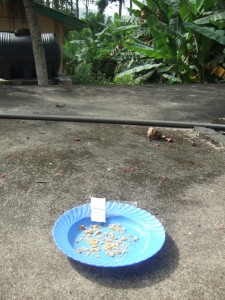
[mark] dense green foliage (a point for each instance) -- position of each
(163, 41)
(89, 54)
(188, 38)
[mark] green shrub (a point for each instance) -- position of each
(83, 74)
(126, 79)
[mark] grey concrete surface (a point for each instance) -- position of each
(47, 168)
(202, 103)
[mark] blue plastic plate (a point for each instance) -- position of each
(144, 235)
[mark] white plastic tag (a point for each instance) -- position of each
(98, 209)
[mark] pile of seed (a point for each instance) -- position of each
(112, 240)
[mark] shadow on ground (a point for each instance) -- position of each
(146, 273)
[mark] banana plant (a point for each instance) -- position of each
(184, 35)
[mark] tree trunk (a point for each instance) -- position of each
(38, 49)
(77, 9)
(56, 4)
(120, 7)
(131, 7)
(86, 4)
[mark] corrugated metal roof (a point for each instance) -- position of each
(72, 22)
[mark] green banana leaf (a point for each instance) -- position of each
(171, 78)
(187, 10)
(148, 51)
(199, 5)
(204, 46)
(209, 19)
(163, 42)
(204, 5)
(138, 69)
(163, 6)
(126, 28)
(209, 4)
(144, 77)
(173, 4)
(209, 32)
(139, 4)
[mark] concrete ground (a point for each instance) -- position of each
(47, 168)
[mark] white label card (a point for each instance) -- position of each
(98, 209)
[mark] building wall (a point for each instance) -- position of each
(47, 26)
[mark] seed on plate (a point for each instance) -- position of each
(110, 253)
(97, 232)
(82, 227)
(92, 242)
(83, 249)
(88, 232)
(96, 227)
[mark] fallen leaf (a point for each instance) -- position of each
(60, 172)
(164, 178)
(221, 227)
(60, 105)
(169, 139)
(2, 175)
(154, 133)
(128, 169)
(14, 157)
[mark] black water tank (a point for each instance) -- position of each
(16, 54)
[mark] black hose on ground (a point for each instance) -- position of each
(157, 123)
